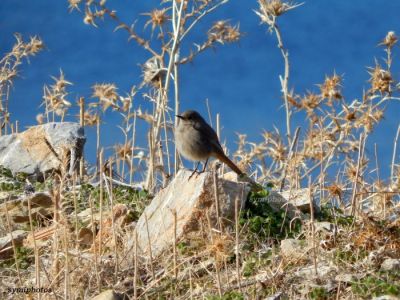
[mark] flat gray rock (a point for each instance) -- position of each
(42, 148)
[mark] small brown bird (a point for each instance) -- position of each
(197, 141)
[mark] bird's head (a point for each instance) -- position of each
(190, 117)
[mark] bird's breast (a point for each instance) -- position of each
(191, 144)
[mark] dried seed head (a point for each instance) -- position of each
(107, 94)
(310, 101)
(74, 4)
(123, 151)
(273, 7)
(380, 79)
(40, 118)
(390, 40)
(153, 71)
(91, 118)
(222, 32)
(330, 89)
(34, 46)
(335, 190)
(158, 17)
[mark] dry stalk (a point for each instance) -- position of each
(237, 242)
(132, 169)
(175, 244)
(9, 229)
(312, 226)
(109, 188)
(150, 251)
(354, 204)
(95, 247)
(101, 199)
(82, 123)
(35, 248)
(135, 274)
(394, 155)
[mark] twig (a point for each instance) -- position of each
(353, 198)
(237, 240)
(289, 157)
(394, 155)
(149, 245)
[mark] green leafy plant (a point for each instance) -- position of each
(383, 283)
(263, 222)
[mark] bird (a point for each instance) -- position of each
(197, 141)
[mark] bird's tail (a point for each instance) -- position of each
(222, 157)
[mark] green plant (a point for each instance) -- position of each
(335, 215)
(227, 296)
(263, 222)
(319, 293)
(24, 259)
(383, 283)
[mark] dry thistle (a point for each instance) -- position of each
(123, 151)
(107, 94)
(158, 17)
(330, 89)
(54, 96)
(74, 4)
(153, 72)
(381, 79)
(270, 9)
(91, 118)
(222, 32)
(390, 40)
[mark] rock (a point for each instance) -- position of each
(85, 237)
(386, 297)
(119, 217)
(109, 295)
(6, 250)
(324, 227)
(300, 198)
(276, 296)
(192, 200)
(391, 264)
(42, 148)
(345, 277)
(37, 213)
(277, 202)
(294, 249)
(323, 270)
(38, 200)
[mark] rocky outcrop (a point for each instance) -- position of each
(193, 201)
(43, 148)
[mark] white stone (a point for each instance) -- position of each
(391, 264)
(42, 148)
(192, 199)
(294, 249)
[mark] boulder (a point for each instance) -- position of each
(6, 250)
(109, 295)
(391, 264)
(193, 201)
(294, 249)
(43, 148)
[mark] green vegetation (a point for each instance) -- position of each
(377, 284)
(263, 222)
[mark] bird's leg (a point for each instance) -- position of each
(195, 170)
(204, 167)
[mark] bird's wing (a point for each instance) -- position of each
(209, 134)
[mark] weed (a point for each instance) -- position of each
(382, 283)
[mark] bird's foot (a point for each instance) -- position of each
(195, 172)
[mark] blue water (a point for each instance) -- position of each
(239, 80)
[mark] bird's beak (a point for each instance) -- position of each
(180, 117)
